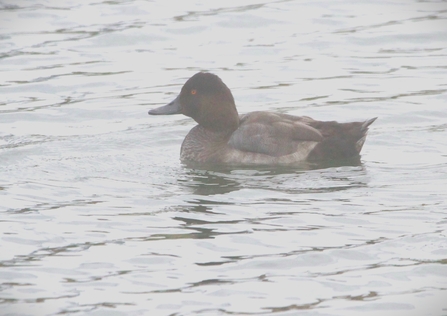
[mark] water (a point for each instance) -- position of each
(99, 217)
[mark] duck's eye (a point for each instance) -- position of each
(193, 91)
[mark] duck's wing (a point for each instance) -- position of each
(272, 134)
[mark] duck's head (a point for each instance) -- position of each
(206, 99)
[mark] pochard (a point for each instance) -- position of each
(224, 137)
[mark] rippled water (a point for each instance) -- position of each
(99, 217)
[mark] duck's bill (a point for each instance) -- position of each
(168, 109)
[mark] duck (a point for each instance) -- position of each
(224, 137)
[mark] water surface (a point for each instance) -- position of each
(99, 217)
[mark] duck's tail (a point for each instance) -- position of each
(364, 132)
(341, 140)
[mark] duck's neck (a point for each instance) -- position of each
(222, 119)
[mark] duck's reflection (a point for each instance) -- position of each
(208, 180)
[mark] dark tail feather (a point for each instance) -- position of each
(344, 140)
(364, 131)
